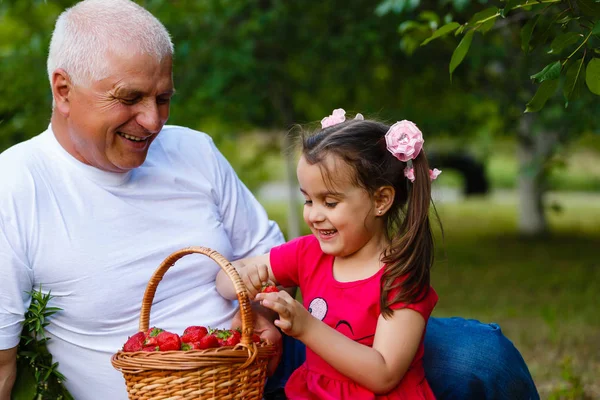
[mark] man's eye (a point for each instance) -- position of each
(130, 102)
(163, 100)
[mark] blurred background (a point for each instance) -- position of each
(519, 199)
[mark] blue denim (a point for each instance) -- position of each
(464, 359)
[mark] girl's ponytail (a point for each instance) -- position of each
(410, 255)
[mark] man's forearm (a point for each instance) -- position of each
(8, 372)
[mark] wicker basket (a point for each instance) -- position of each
(223, 373)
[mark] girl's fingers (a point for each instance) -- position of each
(284, 325)
(249, 286)
(275, 303)
(254, 278)
(263, 273)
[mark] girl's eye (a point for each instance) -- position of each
(308, 202)
(330, 205)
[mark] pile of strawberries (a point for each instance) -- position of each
(193, 338)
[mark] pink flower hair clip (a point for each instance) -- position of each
(337, 116)
(409, 173)
(405, 141)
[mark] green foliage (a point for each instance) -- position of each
(569, 26)
(37, 376)
(573, 387)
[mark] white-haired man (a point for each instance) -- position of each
(91, 208)
(92, 205)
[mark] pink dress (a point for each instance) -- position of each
(351, 308)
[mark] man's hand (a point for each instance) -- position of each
(267, 331)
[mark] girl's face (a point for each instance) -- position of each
(340, 214)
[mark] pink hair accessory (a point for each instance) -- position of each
(337, 116)
(409, 173)
(404, 140)
(433, 174)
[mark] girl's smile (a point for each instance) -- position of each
(339, 213)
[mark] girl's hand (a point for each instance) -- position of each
(255, 276)
(293, 317)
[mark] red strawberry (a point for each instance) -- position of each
(135, 342)
(227, 337)
(168, 341)
(269, 288)
(151, 336)
(186, 346)
(193, 334)
(255, 338)
(207, 342)
(150, 348)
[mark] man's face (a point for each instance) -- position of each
(111, 123)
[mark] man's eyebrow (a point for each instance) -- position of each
(135, 92)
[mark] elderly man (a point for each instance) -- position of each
(93, 204)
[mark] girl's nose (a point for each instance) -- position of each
(316, 214)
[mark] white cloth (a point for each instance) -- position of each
(94, 238)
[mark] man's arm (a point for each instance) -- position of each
(8, 371)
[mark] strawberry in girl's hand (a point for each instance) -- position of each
(269, 288)
(168, 341)
(193, 334)
(135, 342)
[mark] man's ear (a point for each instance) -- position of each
(384, 198)
(61, 90)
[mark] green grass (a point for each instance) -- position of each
(544, 293)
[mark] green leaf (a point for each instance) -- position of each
(592, 76)
(565, 40)
(408, 25)
(510, 4)
(550, 72)
(589, 7)
(444, 30)
(491, 13)
(461, 51)
(546, 89)
(486, 26)
(526, 33)
(429, 16)
(574, 81)
(25, 386)
(596, 29)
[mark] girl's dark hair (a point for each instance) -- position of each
(361, 144)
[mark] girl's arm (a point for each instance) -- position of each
(379, 368)
(253, 270)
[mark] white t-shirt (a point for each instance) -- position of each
(93, 239)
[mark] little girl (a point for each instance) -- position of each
(364, 271)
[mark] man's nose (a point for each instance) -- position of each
(150, 117)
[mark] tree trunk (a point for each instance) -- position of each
(534, 150)
(293, 225)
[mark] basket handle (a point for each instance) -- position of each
(240, 289)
